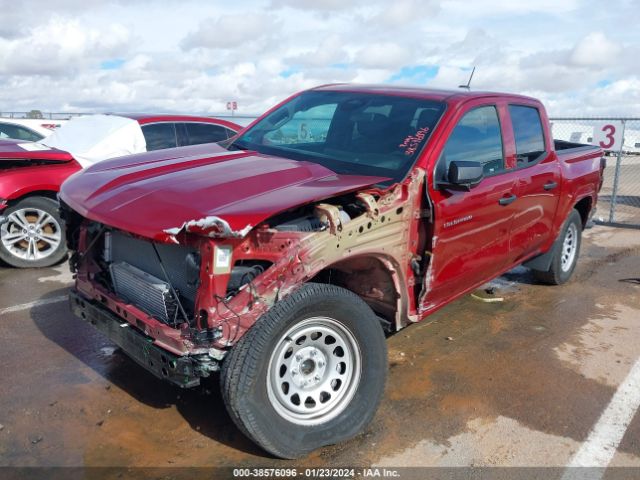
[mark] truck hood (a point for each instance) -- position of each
(20, 150)
(222, 194)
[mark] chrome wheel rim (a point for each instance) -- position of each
(314, 371)
(31, 234)
(569, 247)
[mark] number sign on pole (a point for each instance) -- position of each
(608, 135)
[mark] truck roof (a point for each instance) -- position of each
(450, 96)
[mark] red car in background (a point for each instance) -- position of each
(31, 233)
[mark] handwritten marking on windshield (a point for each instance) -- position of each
(412, 142)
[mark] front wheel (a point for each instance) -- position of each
(566, 252)
(309, 373)
(33, 235)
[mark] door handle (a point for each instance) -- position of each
(507, 200)
(550, 185)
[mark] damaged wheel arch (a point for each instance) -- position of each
(376, 280)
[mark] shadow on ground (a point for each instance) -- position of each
(202, 407)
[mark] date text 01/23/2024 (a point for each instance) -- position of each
(315, 473)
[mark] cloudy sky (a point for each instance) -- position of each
(579, 56)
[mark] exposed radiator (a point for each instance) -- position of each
(145, 291)
(140, 253)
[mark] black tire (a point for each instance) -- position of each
(47, 255)
(560, 272)
(245, 371)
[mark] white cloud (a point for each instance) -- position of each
(619, 96)
(61, 46)
(400, 13)
(329, 51)
(382, 55)
(231, 31)
(510, 7)
(20, 17)
(595, 50)
(195, 56)
(320, 5)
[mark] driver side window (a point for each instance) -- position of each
(476, 137)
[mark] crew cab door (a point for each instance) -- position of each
(472, 228)
(538, 183)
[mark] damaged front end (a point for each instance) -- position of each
(148, 296)
(211, 226)
(177, 306)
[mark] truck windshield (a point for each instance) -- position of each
(349, 133)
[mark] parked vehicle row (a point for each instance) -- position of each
(31, 172)
(281, 260)
(29, 130)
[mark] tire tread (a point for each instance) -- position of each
(238, 369)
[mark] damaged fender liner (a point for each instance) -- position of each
(184, 372)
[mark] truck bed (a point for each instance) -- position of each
(569, 151)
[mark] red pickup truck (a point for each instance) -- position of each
(344, 213)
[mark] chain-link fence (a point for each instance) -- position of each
(242, 120)
(38, 115)
(619, 200)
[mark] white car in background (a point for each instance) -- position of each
(28, 129)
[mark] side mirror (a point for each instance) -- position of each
(463, 175)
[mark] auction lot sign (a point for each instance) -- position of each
(608, 135)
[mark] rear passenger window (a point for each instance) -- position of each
(198, 133)
(476, 138)
(159, 136)
(527, 129)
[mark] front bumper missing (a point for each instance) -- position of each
(183, 371)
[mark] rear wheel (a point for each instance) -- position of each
(309, 373)
(33, 235)
(566, 252)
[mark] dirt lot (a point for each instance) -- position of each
(519, 382)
